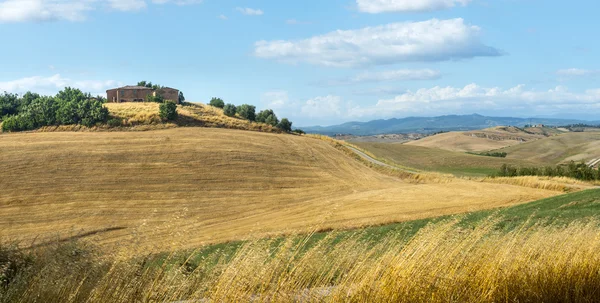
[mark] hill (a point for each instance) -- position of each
(186, 187)
(576, 146)
(439, 160)
(432, 124)
(480, 140)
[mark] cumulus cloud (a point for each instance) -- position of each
(577, 72)
(53, 84)
(432, 40)
(127, 5)
(250, 11)
(324, 107)
(475, 98)
(383, 6)
(69, 10)
(275, 99)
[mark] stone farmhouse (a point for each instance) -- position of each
(140, 93)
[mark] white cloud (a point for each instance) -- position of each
(432, 40)
(382, 6)
(324, 107)
(223, 17)
(275, 99)
(250, 11)
(69, 10)
(474, 98)
(577, 72)
(127, 5)
(43, 10)
(53, 84)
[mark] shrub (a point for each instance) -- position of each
(157, 98)
(247, 111)
(299, 131)
(168, 111)
(285, 125)
(114, 122)
(230, 110)
(217, 102)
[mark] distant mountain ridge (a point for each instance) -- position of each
(434, 124)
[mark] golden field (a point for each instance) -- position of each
(477, 140)
(185, 187)
(441, 263)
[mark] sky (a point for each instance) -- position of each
(317, 62)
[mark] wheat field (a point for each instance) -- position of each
(442, 263)
(187, 187)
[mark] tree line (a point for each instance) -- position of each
(248, 112)
(69, 107)
(580, 171)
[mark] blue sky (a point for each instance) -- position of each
(317, 61)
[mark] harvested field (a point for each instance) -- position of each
(184, 187)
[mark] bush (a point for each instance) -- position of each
(115, 122)
(299, 131)
(217, 102)
(168, 111)
(247, 111)
(285, 125)
(230, 110)
(156, 99)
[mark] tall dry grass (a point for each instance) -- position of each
(563, 184)
(442, 263)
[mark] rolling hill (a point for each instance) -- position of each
(479, 140)
(432, 124)
(185, 187)
(439, 160)
(575, 146)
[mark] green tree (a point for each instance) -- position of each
(217, 102)
(247, 111)
(285, 125)
(229, 110)
(181, 97)
(168, 110)
(267, 116)
(9, 104)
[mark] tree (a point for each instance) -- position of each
(285, 125)
(181, 97)
(168, 110)
(267, 116)
(247, 111)
(229, 110)
(217, 102)
(9, 104)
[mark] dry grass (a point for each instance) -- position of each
(185, 187)
(192, 114)
(434, 159)
(442, 263)
(563, 184)
(475, 141)
(558, 149)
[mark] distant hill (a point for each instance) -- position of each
(433, 124)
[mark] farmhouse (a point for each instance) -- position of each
(140, 93)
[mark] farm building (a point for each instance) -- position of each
(140, 93)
